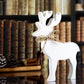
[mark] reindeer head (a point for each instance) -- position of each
(44, 29)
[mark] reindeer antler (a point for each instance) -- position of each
(43, 16)
(55, 20)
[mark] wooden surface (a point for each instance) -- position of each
(26, 68)
(21, 74)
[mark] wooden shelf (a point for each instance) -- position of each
(21, 74)
(16, 69)
(79, 13)
(30, 18)
(80, 43)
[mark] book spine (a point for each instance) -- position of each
(1, 7)
(25, 7)
(42, 5)
(66, 7)
(14, 40)
(78, 29)
(58, 6)
(1, 36)
(29, 40)
(31, 7)
(51, 5)
(82, 30)
(68, 31)
(7, 39)
(21, 40)
(36, 45)
(38, 6)
(46, 5)
(9, 7)
(15, 7)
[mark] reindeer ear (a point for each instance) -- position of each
(40, 16)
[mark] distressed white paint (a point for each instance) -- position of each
(56, 50)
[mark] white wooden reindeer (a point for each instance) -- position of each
(55, 50)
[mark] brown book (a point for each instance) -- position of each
(51, 5)
(82, 29)
(1, 36)
(21, 40)
(31, 7)
(56, 35)
(14, 40)
(78, 30)
(66, 7)
(36, 45)
(7, 39)
(1, 8)
(62, 35)
(68, 31)
(46, 5)
(37, 6)
(42, 5)
(29, 40)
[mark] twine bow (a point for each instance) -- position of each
(48, 37)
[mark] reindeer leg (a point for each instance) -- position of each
(73, 63)
(52, 69)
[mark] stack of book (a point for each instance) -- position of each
(79, 5)
(32, 7)
(80, 30)
(16, 40)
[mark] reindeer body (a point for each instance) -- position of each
(56, 50)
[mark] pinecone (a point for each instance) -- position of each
(3, 61)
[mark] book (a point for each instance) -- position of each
(82, 29)
(1, 36)
(21, 40)
(78, 30)
(23, 7)
(66, 7)
(7, 39)
(9, 7)
(29, 40)
(68, 31)
(46, 5)
(1, 8)
(58, 6)
(36, 45)
(78, 7)
(37, 6)
(31, 7)
(14, 40)
(42, 5)
(15, 7)
(25, 68)
(51, 5)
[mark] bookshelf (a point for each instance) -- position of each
(33, 18)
